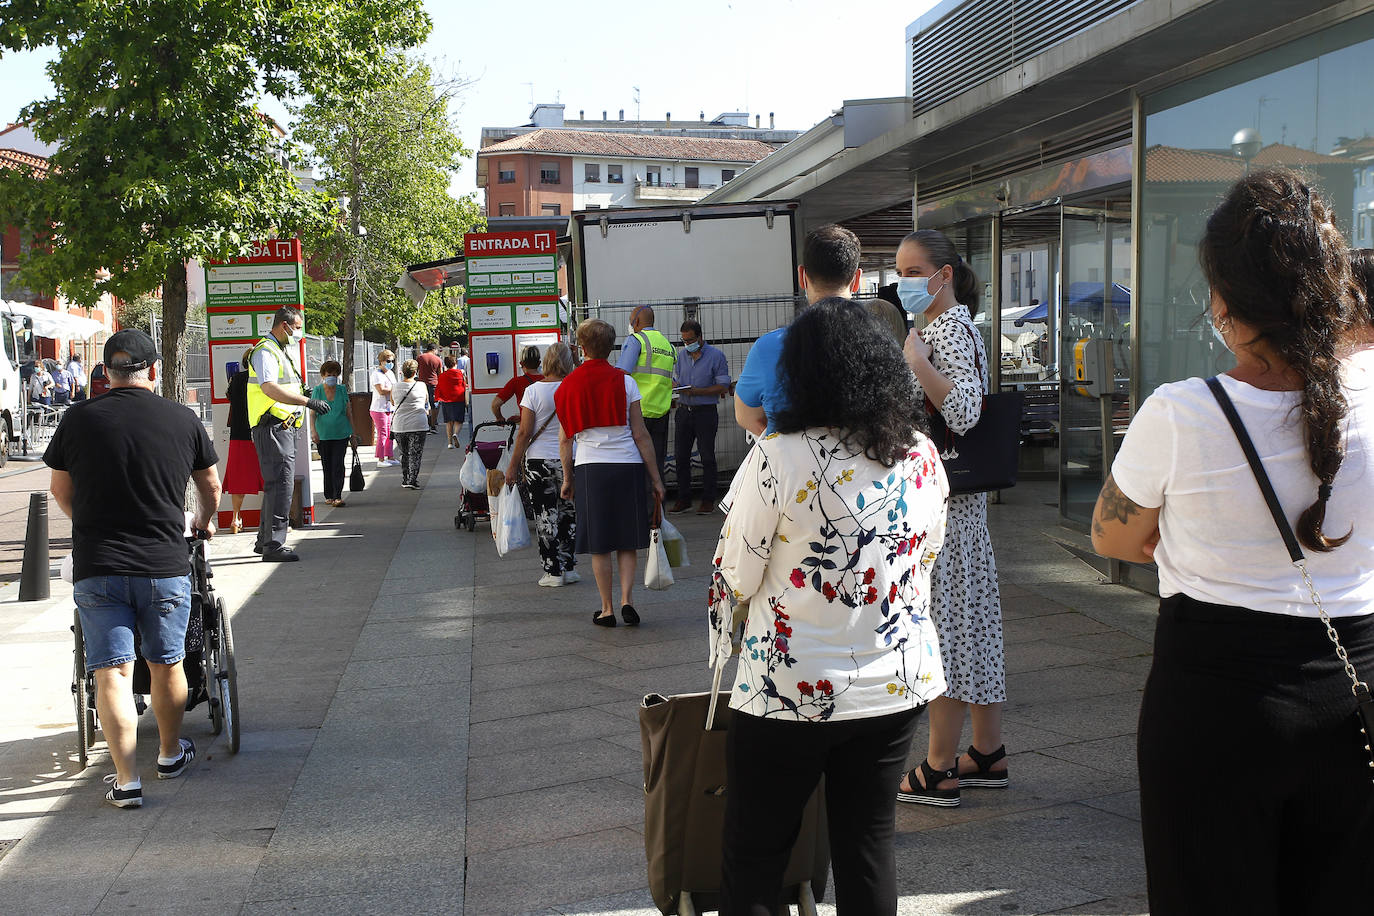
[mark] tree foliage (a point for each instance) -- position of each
(389, 155)
(164, 156)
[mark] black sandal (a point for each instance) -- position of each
(607, 620)
(925, 795)
(984, 777)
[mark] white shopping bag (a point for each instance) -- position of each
(473, 476)
(508, 523)
(658, 575)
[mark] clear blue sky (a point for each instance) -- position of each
(798, 58)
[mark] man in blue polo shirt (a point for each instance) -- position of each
(830, 267)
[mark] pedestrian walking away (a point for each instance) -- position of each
(410, 422)
(430, 367)
(276, 405)
(332, 432)
(830, 540)
(130, 567)
(950, 365)
(649, 358)
(451, 393)
(383, 382)
(829, 267)
(535, 458)
(242, 474)
(1244, 653)
(700, 379)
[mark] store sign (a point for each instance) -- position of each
(511, 266)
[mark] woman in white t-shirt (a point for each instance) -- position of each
(383, 381)
(410, 422)
(555, 518)
(1255, 786)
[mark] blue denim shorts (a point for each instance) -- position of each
(111, 606)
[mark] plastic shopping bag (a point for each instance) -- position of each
(473, 476)
(508, 522)
(658, 575)
(675, 545)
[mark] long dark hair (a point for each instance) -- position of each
(941, 251)
(1362, 266)
(845, 371)
(1273, 254)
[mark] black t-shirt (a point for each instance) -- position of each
(130, 454)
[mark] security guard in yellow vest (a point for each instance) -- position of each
(649, 357)
(274, 412)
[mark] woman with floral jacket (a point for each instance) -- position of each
(831, 535)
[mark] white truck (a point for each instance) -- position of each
(16, 342)
(732, 267)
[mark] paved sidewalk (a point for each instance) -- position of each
(426, 730)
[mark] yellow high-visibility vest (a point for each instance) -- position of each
(654, 373)
(258, 402)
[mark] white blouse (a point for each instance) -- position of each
(833, 553)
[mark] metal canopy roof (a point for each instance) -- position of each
(1024, 115)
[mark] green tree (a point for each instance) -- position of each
(388, 156)
(324, 307)
(164, 155)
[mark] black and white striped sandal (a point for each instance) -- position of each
(984, 777)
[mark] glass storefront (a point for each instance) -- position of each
(1306, 105)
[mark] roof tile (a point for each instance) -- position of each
(630, 146)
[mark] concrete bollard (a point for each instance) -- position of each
(33, 577)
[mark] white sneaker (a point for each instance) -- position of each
(549, 580)
(387, 463)
(570, 577)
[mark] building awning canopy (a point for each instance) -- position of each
(54, 325)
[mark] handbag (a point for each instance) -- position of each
(658, 574)
(986, 457)
(355, 477)
(685, 791)
(1360, 689)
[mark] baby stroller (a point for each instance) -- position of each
(475, 506)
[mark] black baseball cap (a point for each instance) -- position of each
(139, 349)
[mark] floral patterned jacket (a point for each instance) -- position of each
(832, 553)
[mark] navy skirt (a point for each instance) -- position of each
(612, 507)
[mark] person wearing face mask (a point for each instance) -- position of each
(275, 402)
(700, 379)
(950, 365)
(332, 431)
(383, 381)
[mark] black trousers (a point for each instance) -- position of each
(333, 458)
(696, 425)
(1255, 788)
(773, 766)
(658, 432)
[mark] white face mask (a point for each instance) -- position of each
(298, 334)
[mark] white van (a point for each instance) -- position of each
(16, 344)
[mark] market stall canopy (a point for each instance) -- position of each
(1085, 297)
(54, 325)
(419, 279)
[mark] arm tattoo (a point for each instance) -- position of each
(1116, 506)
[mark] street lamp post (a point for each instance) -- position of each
(1246, 143)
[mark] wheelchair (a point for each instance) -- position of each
(211, 670)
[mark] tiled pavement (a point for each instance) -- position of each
(428, 731)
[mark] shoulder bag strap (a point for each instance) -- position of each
(543, 426)
(1360, 690)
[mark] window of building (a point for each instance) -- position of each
(726, 175)
(551, 209)
(506, 210)
(592, 172)
(1303, 98)
(506, 174)
(690, 179)
(652, 176)
(615, 174)
(548, 173)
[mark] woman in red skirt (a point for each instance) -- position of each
(242, 476)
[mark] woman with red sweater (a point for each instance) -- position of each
(450, 393)
(598, 409)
